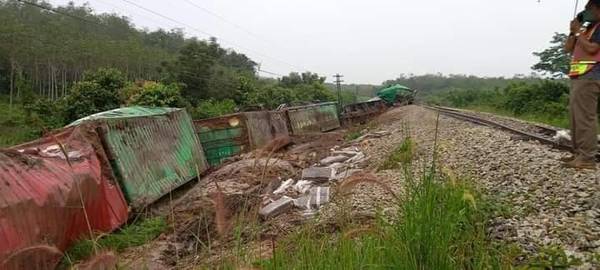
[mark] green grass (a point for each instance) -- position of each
(352, 135)
(401, 156)
(132, 235)
(557, 121)
(14, 127)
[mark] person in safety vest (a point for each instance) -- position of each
(584, 45)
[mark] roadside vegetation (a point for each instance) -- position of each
(544, 101)
(132, 235)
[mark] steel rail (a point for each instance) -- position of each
(485, 122)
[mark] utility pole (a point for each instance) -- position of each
(356, 94)
(338, 83)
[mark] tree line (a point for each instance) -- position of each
(61, 63)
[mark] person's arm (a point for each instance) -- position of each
(572, 39)
(570, 44)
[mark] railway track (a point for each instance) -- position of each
(541, 134)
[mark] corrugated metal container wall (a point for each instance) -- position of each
(222, 137)
(264, 127)
(363, 111)
(313, 118)
(231, 135)
(41, 195)
(279, 125)
(153, 150)
(259, 128)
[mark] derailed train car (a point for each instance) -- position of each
(359, 113)
(152, 150)
(313, 118)
(53, 191)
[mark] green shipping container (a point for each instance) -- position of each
(152, 150)
(313, 118)
(223, 137)
(230, 135)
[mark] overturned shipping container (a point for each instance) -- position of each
(152, 150)
(229, 135)
(313, 118)
(54, 191)
(359, 113)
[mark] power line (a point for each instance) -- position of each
(271, 73)
(60, 12)
(222, 18)
(208, 34)
(116, 7)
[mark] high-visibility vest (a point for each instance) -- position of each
(582, 62)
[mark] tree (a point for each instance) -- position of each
(554, 61)
(99, 91)
(155, 94)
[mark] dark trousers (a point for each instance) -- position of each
(583, 102)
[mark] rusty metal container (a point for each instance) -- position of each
(265, 126)
(49, 200)
(152, 150)
(313, 118)
(359, 113)
(230, 135)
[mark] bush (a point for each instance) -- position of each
(99, 91)
(155, 94)
(545, 97)
(88, 98)
(108, 78)
(46, 113)
(213, 108)
(269, 97)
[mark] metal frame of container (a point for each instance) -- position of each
(314, 118)
(152, 150)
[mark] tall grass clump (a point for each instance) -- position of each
(401, 156)
(132, 235)
(441, 225)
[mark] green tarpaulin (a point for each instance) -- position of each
(394, 93)
(126, 112)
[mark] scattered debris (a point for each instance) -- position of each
(333, 159)
(377, 134)
(302, 186)
(562, 137)
(360, 157)
(317, 196)
(345, 174)
(54, 151)
(285, 185)
(337, 166)
(277, 207)
(254, 165)
(318, 173)
(347, 153)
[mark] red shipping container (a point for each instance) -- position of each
(42, 193)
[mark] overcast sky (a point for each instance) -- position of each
(366, 41)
